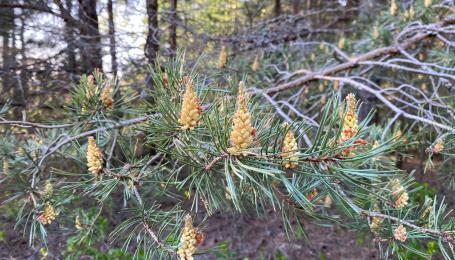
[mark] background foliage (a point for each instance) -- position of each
(128, 73)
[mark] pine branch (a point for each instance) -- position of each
(448, 236)
(58, 145)
(120, 124)
(25, 124)
(354, 62)
(146, 225)
(379, 95)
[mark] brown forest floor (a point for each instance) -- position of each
(255, 238)
(246, 237)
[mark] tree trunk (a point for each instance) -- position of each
(309, 5)
(277, 8)
(173, 28)
(296, 6)
(112, 37)
(24, 72)
(89, 36)
(153, 43)
(8, 49)
(71, 65)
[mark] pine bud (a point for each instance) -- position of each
(48, 215)
(106, 96)
(342, 43)
(256, 64)
(422, 56)
(328, 201)
(428, 3)
(321, 46)
(223, 58)
(399, 193)
(5, 167)
(90, 88)
(375, 224)
(406, 15)
(397, 135)
(78, 224)
(428, 209)
(424, 87)
(190, 239)
(289, 151)
(440, 44)
(411, 12)
(165, 79)
(438, 147)
(313, 56)
(48, 189)
(94, 157)
(130, 184)
(375, 144)
(336, 85)
(191, 108)
(393, 8)
(242, 132)
(375, 33)
(312, 194)
(323, 100)
(400, 233)
(350, 119)
(376, 221)
(321, 87)
(350, 124)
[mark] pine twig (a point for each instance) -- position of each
(209, 166)
(146, 225)
(448, 236)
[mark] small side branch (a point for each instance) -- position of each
(209, 166)
(448, 236)
(25, 124)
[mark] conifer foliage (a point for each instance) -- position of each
(214, 140)
(220, 155)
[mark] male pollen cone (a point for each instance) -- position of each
(350, 125)
(289, 150)
(191, 108)
(94, 157)
(242, 133)
(191, 238)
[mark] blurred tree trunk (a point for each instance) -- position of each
(112, 37)
(173, 28)
(24, 72)
(9, 61)
(152, 43)
(90, 36)
(68, 35)
(277, 8)
(309, 4)
(295, 6)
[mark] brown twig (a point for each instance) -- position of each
(313, 159)
(215, 160)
